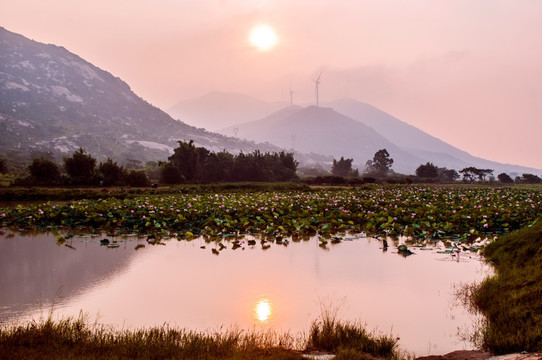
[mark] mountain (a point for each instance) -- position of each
(52, 101)
(325, 131)
(418, 142)
(218, 110)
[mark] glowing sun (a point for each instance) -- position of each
(263, 310)
(263, 37)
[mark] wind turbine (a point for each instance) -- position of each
(291, 96)
(317, 83)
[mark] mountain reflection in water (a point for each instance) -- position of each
(284, 287)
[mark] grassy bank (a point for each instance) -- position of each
(512, 299)
(77, 339)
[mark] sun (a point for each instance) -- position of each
(263, 37)
(263, 310)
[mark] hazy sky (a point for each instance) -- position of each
(466, 71)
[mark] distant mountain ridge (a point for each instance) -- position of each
(325, 131)
(216, 110)
(336, 131)
(53, 101)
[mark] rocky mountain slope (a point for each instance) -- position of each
(52, 101)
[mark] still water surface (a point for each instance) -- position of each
(282, 288)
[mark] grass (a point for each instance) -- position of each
(78, 339)
(511, 300)
(349, 340)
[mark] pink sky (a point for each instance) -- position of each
(466, 71)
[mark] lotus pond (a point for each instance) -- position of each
(459, 213)
(262, 259)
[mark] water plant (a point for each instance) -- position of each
(440, 213)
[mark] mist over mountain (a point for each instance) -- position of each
(53, 102)
(357, 130)
(417, 142)
(217, 110)
(324, 131)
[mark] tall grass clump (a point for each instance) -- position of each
(511, 300)
(349, 340)
(77, 339)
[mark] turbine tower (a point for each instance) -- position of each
(317, 83)
(291, 96)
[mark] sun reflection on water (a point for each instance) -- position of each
(263, 310)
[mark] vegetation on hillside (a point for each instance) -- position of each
(511, 300)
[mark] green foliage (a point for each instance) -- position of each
(512, 299)
(528, 179)
(80, 167)
(342, 168)
(505, 178)
(44, 170)
(196, 164)
(188, 159)
(447, 175)
(137, 178)
(111, 173)
(381, 163)
(428, 171)
(470, 174)
(457, 213)
(3, 166)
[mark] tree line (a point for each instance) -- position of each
(191, 164)
(198, 165)
(379, 168)
(81, 169)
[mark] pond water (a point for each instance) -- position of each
(281, 287)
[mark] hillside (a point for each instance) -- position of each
(418, 142)
(53, 102)
(324, 131)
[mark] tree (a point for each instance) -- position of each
(137, 178)
(3, 166)
(482, 173)
(170, 174)
(111, 173)
(470, 173)
(342, 168)
(80, 167)
(188, 159)
(447, 175)
(428, 171)
(529, 179)
(505, 178)
(381, 162)
(44, 170)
